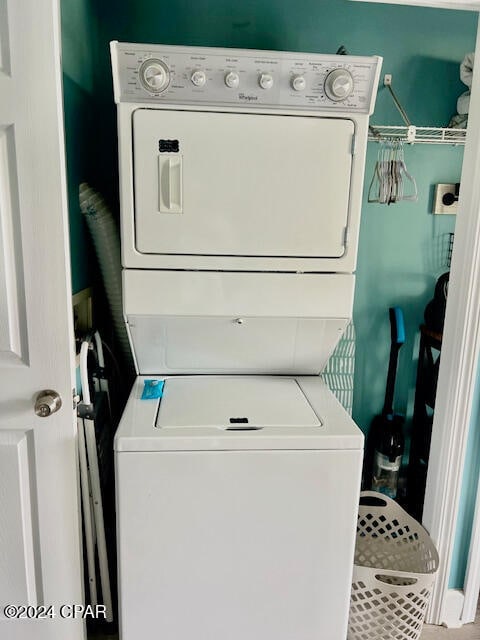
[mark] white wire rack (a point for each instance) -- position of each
(418, 135)
(411, 134)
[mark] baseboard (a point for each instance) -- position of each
(451, 615)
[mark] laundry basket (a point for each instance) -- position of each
(395, 567)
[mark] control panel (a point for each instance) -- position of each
(228, 77)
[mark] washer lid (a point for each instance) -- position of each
(234, 403)
(305, 414)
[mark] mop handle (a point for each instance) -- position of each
(397, 326)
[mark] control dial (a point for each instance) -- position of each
(232, 80)
(338, 84)
(198, 78)
(298, 83)
(154, 75)
(265, 80)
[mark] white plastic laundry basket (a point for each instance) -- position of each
(395, 567)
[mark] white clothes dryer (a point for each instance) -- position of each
(241, 178)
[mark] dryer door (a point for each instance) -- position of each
(229, 184)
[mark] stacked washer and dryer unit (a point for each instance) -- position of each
(241, 178)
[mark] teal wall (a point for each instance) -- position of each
(79, 41)
(402, 247)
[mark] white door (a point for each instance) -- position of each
(40, 558)
(241, 184)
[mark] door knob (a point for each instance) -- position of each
(47, 402)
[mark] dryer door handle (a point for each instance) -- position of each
(170, 183)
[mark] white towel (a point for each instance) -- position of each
(463, 103)
(466, 69)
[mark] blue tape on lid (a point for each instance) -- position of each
(152, 389)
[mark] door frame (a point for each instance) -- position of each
(471, 587)
(457, 375)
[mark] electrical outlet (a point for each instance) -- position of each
(446, 198)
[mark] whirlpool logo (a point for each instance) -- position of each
(247, 97)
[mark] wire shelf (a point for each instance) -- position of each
(418, 135)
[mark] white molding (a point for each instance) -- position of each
(464, 5)
(452, 609)
(459, 364)
(472, 576)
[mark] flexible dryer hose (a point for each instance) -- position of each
(104, 232)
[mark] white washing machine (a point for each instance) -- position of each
(241, 178)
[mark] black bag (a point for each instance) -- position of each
(435, 309)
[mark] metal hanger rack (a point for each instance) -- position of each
(410, 133)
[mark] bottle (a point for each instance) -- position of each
(388, 455)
